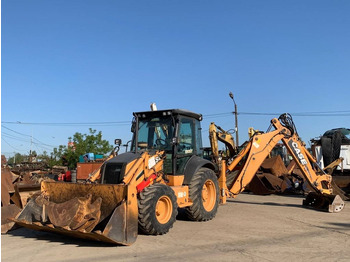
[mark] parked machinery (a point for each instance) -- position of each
(143, 189)
(332, 145)
(258, 148)
(332, 152)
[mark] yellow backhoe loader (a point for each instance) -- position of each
(233, 180)
(141, 190)
(138, 190)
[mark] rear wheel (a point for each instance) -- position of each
(204, 193)
(157, 209)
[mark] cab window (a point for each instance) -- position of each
(186, 136)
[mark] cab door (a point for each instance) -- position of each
(189, 142)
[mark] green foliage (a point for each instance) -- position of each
(83, 143)
(18, 158)
(68, 156)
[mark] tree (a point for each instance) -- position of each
(81, 144)
(16, 159)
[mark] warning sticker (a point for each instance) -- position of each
(257, 142)
(151, 162)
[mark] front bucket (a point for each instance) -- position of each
(325, 202)
(8, 213)
(99, 212)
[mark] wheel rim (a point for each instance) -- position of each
(164, 209)
(208, 195)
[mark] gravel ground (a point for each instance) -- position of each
(248, 228)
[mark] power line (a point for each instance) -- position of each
(69, 123)
(10, 145)
(14, 131)
(127, 122)
(14, 138)
(24, 135)
(42, 145)
(12, 135)
(318, 114)
(26, 141)
(7, 152)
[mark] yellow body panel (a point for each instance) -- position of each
(176, 180)
(181, 193)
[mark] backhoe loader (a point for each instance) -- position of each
(238, 171)
(137, 190)
(141, 190)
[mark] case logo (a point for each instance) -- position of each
(297, 152)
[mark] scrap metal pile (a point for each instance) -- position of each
(14, 196)
(18, 185)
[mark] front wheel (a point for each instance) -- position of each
(157, 209)
(204, 193)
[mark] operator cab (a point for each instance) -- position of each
(176, 131)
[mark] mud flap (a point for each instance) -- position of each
(325, 202)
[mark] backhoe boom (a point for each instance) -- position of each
(259, 147)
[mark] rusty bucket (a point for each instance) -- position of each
(99, 212)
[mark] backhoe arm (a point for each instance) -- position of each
(258, 148)
(303, 159)
(216, 134)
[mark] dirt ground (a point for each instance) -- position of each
(249, 228)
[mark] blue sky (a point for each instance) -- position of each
(83, 61)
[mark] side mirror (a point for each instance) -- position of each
(117, 142)
(174, 141)
(133, 126)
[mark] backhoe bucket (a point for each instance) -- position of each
(325, 202)
(107, 213)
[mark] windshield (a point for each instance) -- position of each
(155, 133)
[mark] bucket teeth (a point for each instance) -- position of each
(325, 202)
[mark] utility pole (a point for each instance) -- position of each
(236, 118)
(31, 143)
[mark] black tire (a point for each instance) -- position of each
(203, 181)
(327, 151)
(336, 145)
(230, 177)
(150, 221)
